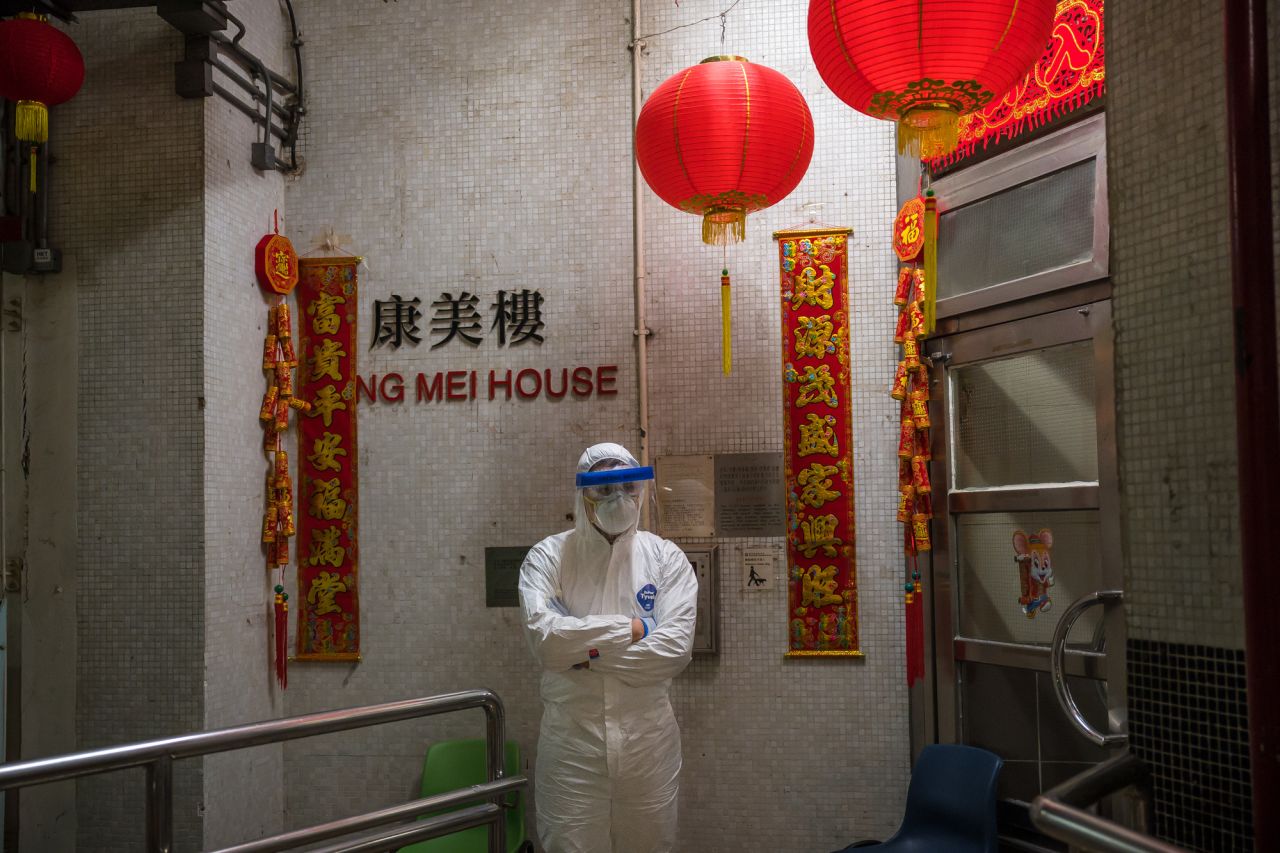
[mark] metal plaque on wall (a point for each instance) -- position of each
(502, 576)
(686, 495)
(750, 495)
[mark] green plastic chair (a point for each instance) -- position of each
(454, 764)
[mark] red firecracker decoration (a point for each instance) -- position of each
(278, 524)
(40, 67)
(915, 236)
(722, 139)
(925, 63)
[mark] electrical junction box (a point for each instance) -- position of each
(46, 261)
(705, 562)
(20, 257)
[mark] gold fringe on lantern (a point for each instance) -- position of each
(929, 131)
(31, 122)
(722, 226)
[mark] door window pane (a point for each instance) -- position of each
(1032, 228)
(993, 601)
(1029, 418)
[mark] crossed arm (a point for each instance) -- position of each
(622, 645)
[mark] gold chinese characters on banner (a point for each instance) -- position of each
(818, 451)
(328, 518)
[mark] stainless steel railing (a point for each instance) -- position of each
(1061, 812)
(1058, 666)
(157, 756)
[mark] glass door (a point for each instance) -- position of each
(1028, 528)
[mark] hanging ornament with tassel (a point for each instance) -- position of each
(277, 269)
(915, 237)
(720, 140)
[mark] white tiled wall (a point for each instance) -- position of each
(157, 210)
(494, 153)
(127, 211)
(1175, 393)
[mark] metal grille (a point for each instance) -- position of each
(988, 577)
(1030, 418)
(1188, 719)
(1034, 227)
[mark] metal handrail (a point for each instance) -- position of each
(1060, 812)
(157, 756)
(405, 811)
(1058, 669)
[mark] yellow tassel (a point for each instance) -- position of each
(930, 262)
(726, 325)
(930, 131)
(721, 226)
(31, 122)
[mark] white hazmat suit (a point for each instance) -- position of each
(609, 751)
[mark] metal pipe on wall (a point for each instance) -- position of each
(42, 200)
(1257, 407)
(637, 236)
(4, 187)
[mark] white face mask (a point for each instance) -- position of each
(616, 514)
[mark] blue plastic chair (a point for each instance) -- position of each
(454, 764)
(951, 804)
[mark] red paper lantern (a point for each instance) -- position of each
(722, 139)
(924, 63)
(40, 67)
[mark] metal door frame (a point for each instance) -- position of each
(1087, 322)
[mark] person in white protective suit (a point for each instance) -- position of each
(609, 612)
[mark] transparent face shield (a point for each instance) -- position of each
(614, 496)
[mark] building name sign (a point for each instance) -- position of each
(529, 383)
(517, 319)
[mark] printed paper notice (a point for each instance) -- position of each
(759, 566)
(686, 496)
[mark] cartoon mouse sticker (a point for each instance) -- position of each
(1035, 571)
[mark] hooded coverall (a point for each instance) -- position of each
(609, 750)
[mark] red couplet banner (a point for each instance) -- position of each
(328, 512)
(818, 443)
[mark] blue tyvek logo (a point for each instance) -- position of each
(646, 595)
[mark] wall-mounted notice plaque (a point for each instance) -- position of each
(686, 496)
(750, 495)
